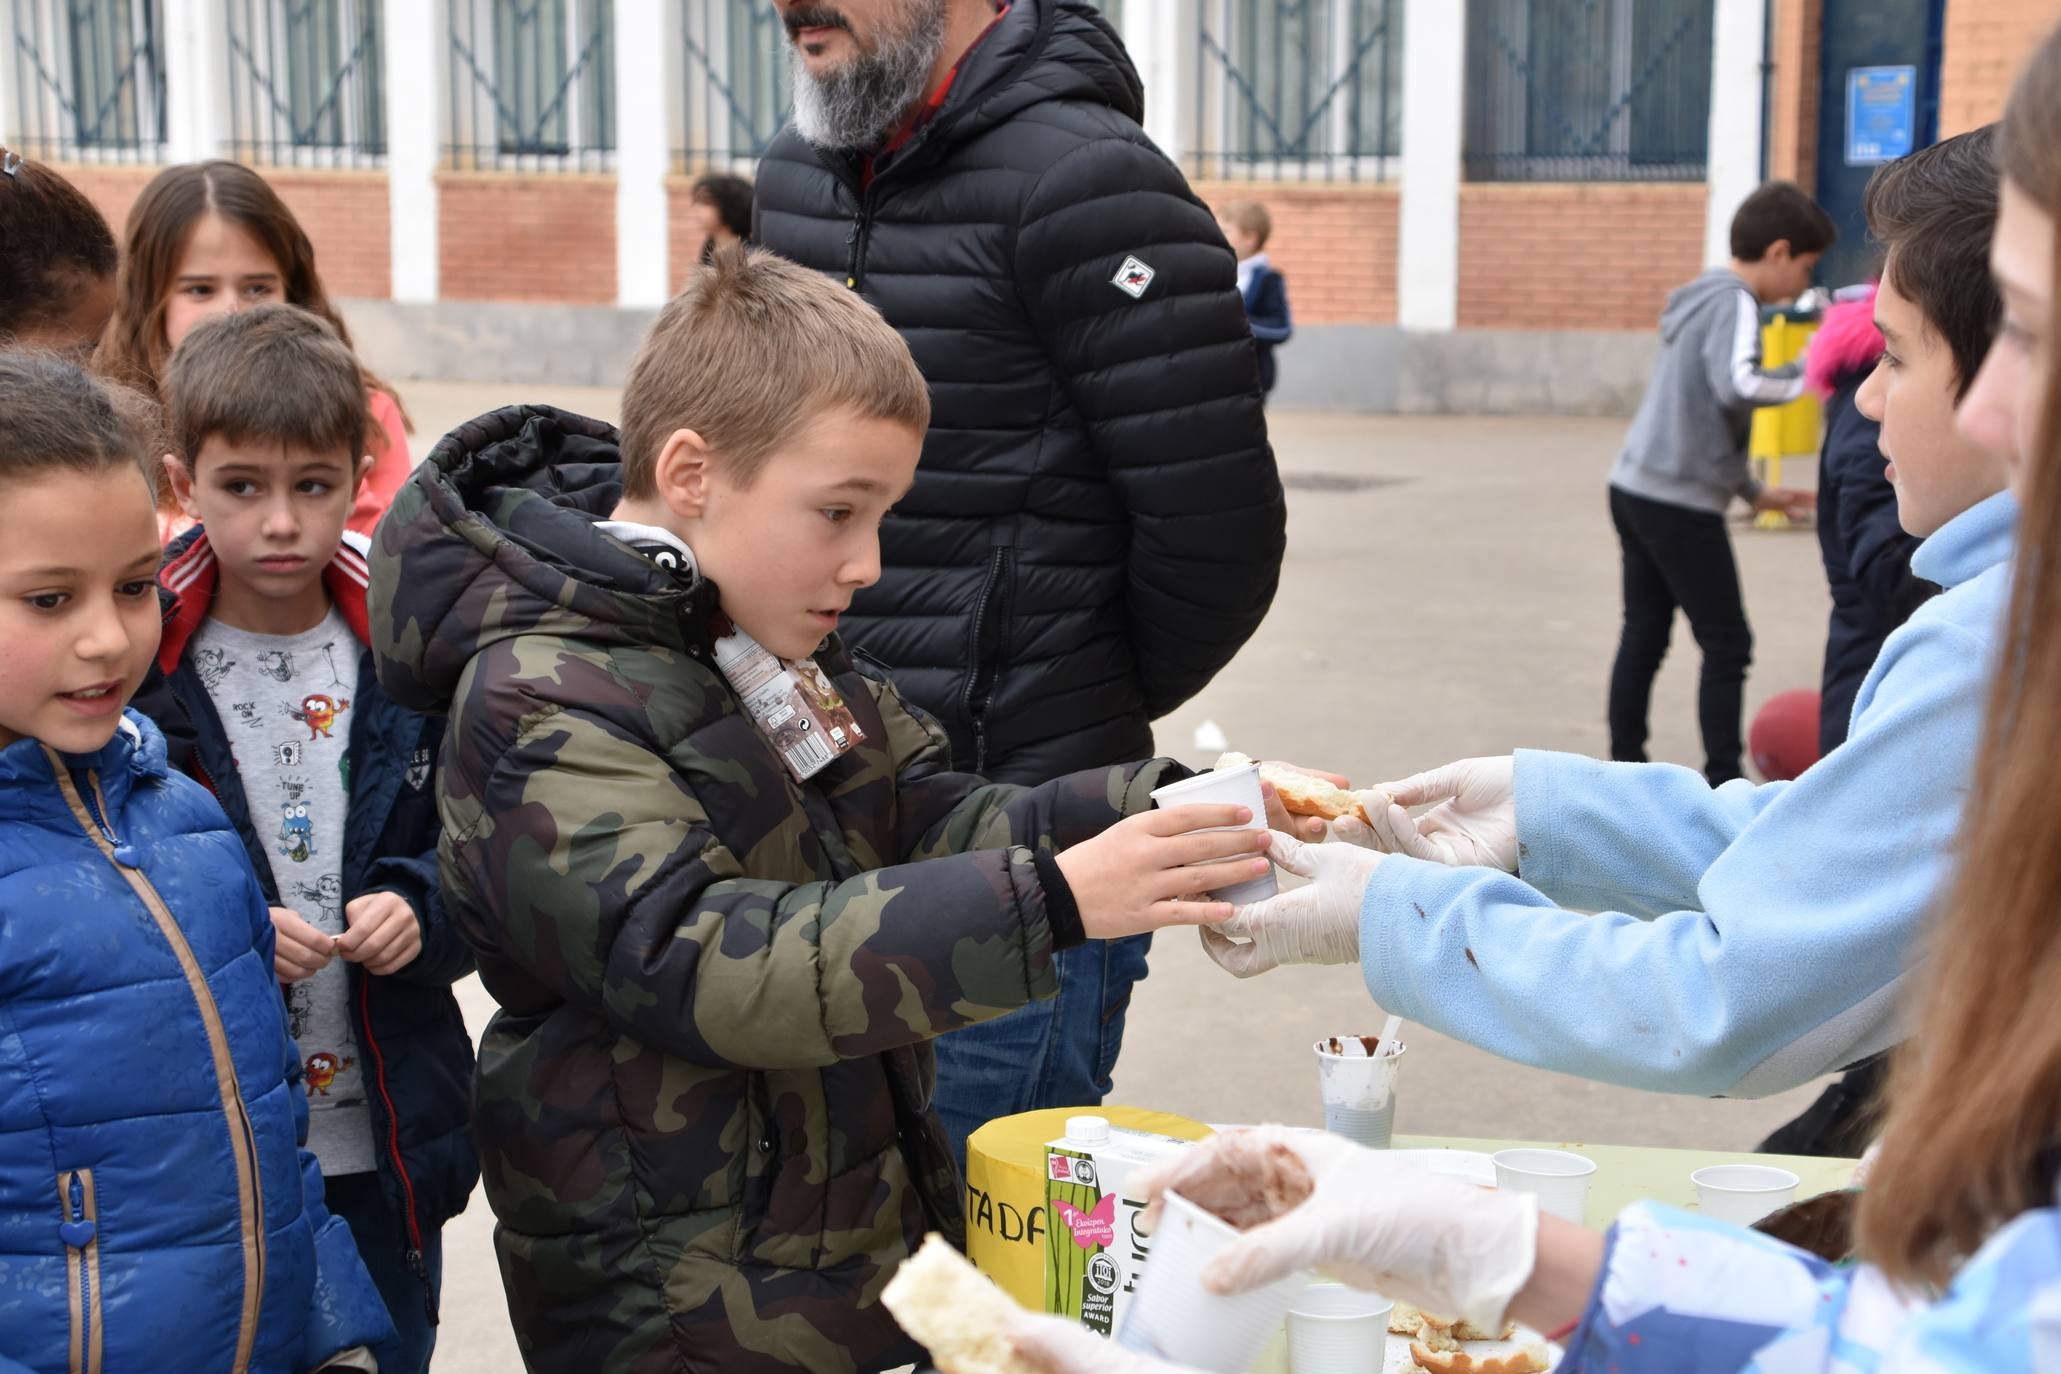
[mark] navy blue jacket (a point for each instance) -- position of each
(155, 1211)
(416, 1049)
(1266, 304)
(1867, 558)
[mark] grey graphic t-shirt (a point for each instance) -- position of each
(285, 702)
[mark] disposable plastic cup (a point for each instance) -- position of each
(1226, 787)
(1743, 1193)
(1357, 1074)
(1559, 1178)
(1333, 1329)
(1174, 1318)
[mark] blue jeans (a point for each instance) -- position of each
(383, 1244)
(1055, 1053)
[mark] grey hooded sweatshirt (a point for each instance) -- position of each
(1687, 446)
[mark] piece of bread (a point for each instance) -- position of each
(1301, 793)
(954, 1311)
(1467, 1331)
(1532, 1359)
(1403, 1320)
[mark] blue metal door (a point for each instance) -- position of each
(1879, 99)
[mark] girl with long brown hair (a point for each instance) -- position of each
(210, 237)
(1959, 1235)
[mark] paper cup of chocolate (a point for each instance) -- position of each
(1358, 1074)
(1226, 787)
(1743, 1193)
(1174, 1318)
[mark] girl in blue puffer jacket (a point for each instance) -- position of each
(156, 1209)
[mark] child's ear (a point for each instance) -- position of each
(1780, 253)
(682, 474)
(181, 478)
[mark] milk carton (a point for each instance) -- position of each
(1093, 1252)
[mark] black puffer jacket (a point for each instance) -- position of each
(1097, 525)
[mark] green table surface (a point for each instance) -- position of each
(1624, 1174)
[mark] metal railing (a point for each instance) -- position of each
(1298, 90)
(736, 84)
(1588, 90)
(532, 85)
(305, 82)
(89, 77)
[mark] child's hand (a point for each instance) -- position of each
(302, 950)
(384, 935)
(1129, 879)
(1788, 501)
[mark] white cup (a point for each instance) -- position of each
(1174, 1318)
(1357, 1075)
(1559, 1178)
(1226, 787)
(1743, 1193)
(1333, 1329)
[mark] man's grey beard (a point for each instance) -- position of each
(854, 106)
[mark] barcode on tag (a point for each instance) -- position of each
(809, 756)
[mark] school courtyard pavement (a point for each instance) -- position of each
(1450, 590)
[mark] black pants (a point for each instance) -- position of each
(1677, 557)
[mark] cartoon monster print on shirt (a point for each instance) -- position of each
(276, 664)
(327, 894)
(213, 665)
(296, 832)
(318, 713)
(298, 1009)
(322, 1071)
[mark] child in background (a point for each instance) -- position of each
(1247, 226)
(210, 238)
(721, 951)
(1685, 461)
(327, 781)
(718, 215)
(57, 270)
(155, 1211)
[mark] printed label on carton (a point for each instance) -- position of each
(1093, 1252)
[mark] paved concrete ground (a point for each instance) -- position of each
(1451, 590)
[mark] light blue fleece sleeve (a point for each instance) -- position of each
(1634, 837)
(1783, 964)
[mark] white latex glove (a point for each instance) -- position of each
(1308, 1200)
(1317, 923)
(1473, 823)
(1059, 1346)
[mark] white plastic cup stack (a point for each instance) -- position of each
(1333, 1329)
(1226, 787)
(1743, 1193)
(1559, 1178)
(1174, 1318)
(1358, 1080)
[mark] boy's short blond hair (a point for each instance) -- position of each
(755, 348)
(1251, 216)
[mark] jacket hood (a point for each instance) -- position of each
(1042, 50)
(1684, 303)
(1846, 345)
(494, 537)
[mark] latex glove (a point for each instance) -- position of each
(1317, 923)
(1472, 822)
(1060, 1346)
(1308, 1200)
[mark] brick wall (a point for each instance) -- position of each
(1986, 43)
(1796, 87)
(518, 237)
(1335, 244)
(1575, 256)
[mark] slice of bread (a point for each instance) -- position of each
(1532, 1359)
(954, 1311)
(1302, 794)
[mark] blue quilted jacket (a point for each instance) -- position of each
(155, 1209)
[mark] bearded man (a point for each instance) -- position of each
(1097, 524)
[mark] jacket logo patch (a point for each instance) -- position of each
(418, 770)
(1133, 277)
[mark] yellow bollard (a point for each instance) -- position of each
(1793, 430)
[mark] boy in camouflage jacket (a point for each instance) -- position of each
(703, 1108)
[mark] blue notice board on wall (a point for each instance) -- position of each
(1881, 114)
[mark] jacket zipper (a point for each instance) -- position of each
(855, 275)
(75, 1192)
(416, 1266)
(91, 813)
(977, 711)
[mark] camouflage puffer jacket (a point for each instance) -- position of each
(703, 1106)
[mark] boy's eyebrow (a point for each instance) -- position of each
(869, 485)
(148, 560)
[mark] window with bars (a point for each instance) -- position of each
(532, 84)
(305, 82)
(1588, 90)
(1303, 90)
(89, 79)
(736, 83)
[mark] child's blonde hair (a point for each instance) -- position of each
(1252, 217)
(751, 351)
